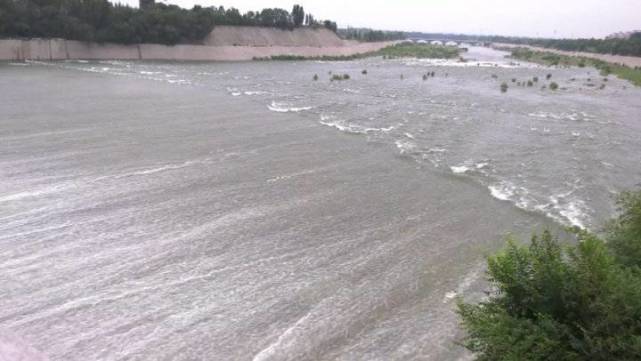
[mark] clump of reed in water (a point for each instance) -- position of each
(339, 77)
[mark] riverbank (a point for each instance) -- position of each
(61, 49)
(629, 61)
(631, 74)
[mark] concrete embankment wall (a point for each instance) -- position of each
(60, 49)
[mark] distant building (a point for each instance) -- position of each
(451, 43)
(436, 42)
(144, 4)
(623, 34)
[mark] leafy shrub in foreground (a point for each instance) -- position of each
(566, 303)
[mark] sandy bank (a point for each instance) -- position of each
(630, 61)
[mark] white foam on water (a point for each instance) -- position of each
(459, 169)
(405, 146)
(503, 191)
(351, 128)
(32, 193)
(285, 108)
(348, 128)
(284, 340)
(437, 150)
(178, 81)
(465, 284)
(353, 91)
(561, 208)
(449, 295)
(255, 92)
(154, 170)
(573, 212)
(575, 116)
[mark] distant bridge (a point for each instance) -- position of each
(444, 41)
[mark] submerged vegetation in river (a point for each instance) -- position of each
(546, 58)
(555, 302)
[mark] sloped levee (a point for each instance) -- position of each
(225, 43)
(260, 36)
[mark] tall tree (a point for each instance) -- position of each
(298, 15)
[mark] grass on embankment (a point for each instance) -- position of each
(404, 50)
(546, 58)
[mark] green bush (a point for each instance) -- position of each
(554, 86)
(364, 72)
(548, 76)
(529, 83)
(339, 77)
(567, 303)
(624, 232)
(504, 87)
(315, 77)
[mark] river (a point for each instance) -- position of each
(244, 211)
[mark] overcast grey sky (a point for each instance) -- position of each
(544, 18)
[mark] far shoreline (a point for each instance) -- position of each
(62, 49)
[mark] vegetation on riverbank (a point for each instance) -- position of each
(370, 35)
(546, 58)
(615, 46)
(419, 51)
(287, 57)
(556, 302)
(103, 21)
(403, 50)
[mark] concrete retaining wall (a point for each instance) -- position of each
(60, 49)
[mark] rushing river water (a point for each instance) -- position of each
(243, 211)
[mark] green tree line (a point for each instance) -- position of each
(102, 21)
(369, 35)
(628, 47)
(564, 303)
